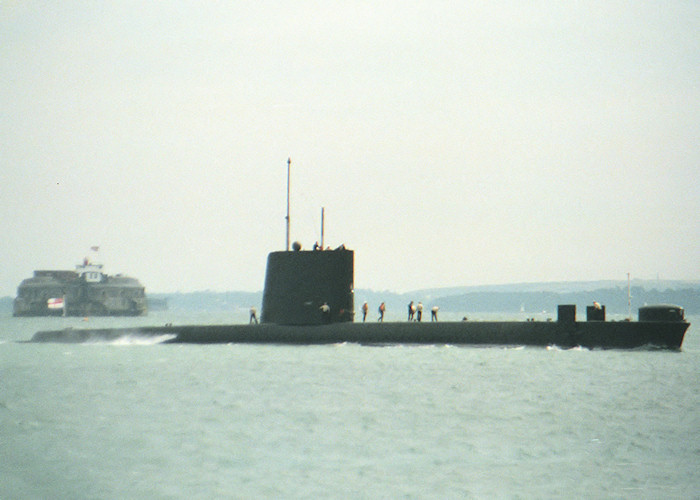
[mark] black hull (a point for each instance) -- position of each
(606, 335)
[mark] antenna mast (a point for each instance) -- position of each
(289, 164)
(322, 213)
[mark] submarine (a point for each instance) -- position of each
(308, 298)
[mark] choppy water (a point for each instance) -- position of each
(133, 419)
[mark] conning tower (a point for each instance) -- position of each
(299, 282)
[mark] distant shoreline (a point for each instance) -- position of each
(527, 297)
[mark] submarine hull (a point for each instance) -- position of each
(301, 285)
(606, 335)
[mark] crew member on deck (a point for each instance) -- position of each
(253, 315)
(433, 313)
(365, 309)
(326, 312)
(419, 311)
(411, 311)
(382, 309)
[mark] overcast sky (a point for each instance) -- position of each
(451, 143)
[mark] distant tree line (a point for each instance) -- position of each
(614, 299)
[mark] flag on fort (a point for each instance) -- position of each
(95, 249)
(55, 303)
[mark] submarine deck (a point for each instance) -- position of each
(610, 335)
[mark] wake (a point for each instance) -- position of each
(135, 339)
(104, 336)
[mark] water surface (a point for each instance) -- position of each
(136, 419)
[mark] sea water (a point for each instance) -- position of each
(138, 419)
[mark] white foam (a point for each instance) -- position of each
(142, 339)
(131, 339)
(576, 348)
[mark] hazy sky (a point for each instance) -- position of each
(451, 143)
